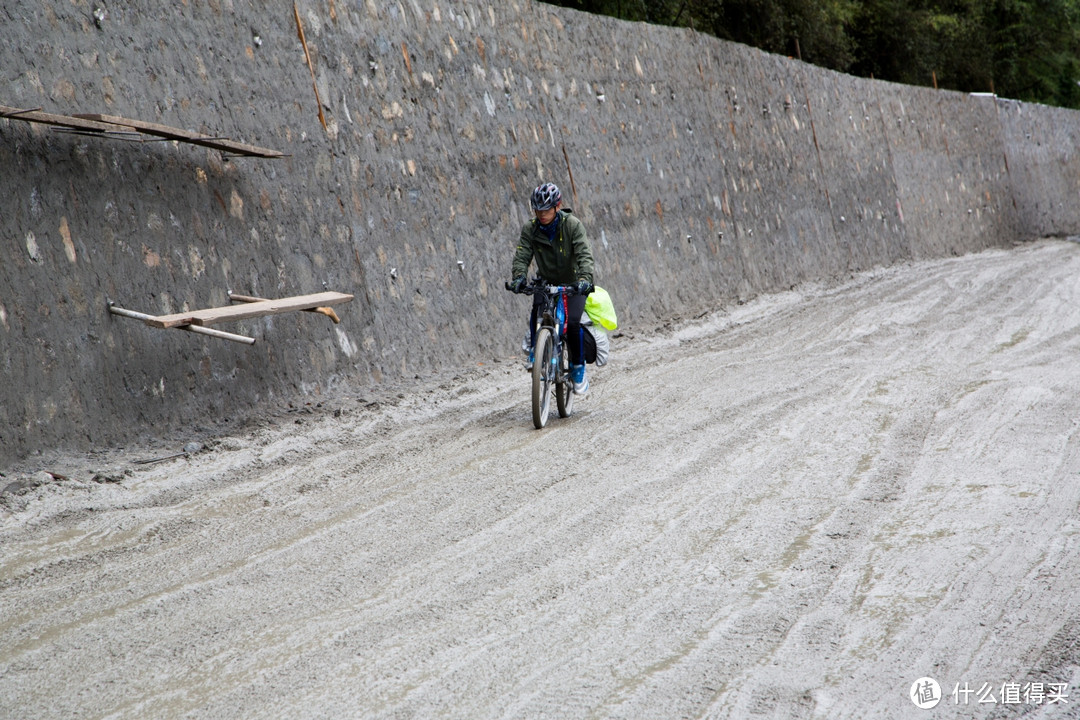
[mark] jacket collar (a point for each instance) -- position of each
(555, 228)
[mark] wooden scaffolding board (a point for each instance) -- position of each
(212, 316)
(64, 121)
(113, 125)
(170, 133)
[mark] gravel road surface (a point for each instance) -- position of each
(791, 508)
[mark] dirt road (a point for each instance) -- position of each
(792, 508)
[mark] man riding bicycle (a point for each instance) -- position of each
(557, 241)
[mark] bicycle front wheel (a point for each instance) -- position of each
(543, 376)
(564, 387)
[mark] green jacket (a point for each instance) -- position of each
(562, 262)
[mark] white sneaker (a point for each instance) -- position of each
(581, 382)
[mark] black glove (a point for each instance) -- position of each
(583, 287)
(518, 283)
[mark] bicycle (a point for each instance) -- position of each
(551, 354)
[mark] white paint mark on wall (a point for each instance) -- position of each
(32, 247)
(347, 346)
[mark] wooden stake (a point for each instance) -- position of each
(303, 41)
(573, 187)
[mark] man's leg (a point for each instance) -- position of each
(575, 306)
(530, 336)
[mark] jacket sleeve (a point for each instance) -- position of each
(583, 257)
(523, 254)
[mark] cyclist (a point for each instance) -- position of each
(557, 241)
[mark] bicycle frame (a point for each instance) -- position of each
(554, 299)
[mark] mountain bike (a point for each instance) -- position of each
(551, 354)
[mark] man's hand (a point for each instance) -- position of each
(518, 283)
(583, 287)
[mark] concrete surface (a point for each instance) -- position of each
(705, 172)
(792, 508)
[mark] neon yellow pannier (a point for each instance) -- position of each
(600, 309)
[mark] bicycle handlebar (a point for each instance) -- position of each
(538, 285)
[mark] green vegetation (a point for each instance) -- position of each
(1023, 49)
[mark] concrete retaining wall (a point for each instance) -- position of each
(704, 171)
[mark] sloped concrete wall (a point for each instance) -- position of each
(704, 171)
(1040, 147)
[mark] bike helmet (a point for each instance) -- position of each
(546, 197)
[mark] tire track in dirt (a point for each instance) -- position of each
(794, 507)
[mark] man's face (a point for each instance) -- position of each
(546, 216)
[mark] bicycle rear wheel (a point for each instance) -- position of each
(564, 387)
(543, 375)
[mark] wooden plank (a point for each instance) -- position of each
(75, 123)
(194, 138)
(94, 122)
(327, 311)
(212, 316)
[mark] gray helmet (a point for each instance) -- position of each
(546, 197)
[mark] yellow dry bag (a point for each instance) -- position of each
(600, 309)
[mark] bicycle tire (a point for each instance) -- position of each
(543, 374)
(564, 388)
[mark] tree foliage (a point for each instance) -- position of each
(1023, 49)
